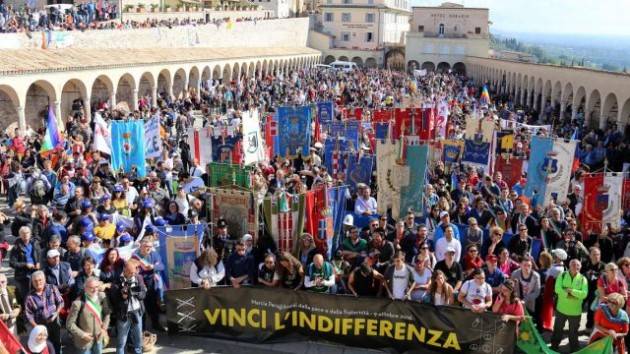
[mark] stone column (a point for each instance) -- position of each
(112, 100)
(154, 97)
(134, 99)
(58, 111)
(87, 108)
(574, 111)
(21, 119)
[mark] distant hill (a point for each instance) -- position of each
(599, 52)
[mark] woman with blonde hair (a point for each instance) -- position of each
(207, 270)
(611, 320)
(305, 249)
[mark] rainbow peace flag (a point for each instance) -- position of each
(485, 96)
(53, 138)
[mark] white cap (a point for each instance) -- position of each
(53, 253)
(443, 214)
(348, 220)
(560, 254)
(247, 237)
(450, 249)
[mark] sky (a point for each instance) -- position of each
(588, 17)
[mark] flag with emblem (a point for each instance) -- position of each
(284, 218)
(252, 140)
(128, 149)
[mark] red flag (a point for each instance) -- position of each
(271, 130)
(511, 169)
(8, 339)
(591, 215)
(625, 196)
(237, 153)
(382, 115)
(401, 121)
(428, 124)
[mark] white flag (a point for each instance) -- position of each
(612, 188)
(200, 142)
(252, 139)
(559, 176)
(152, 139)
(102, 135)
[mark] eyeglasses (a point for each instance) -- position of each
(424, 248)
(375, 225)
(522, 229)
(473, 251)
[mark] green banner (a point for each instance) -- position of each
(227, 175)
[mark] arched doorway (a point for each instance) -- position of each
(428, 66)
(193, 79)
(39, 96)
(179, 84)
(146, 86)
(459, 68)
(343, 58)
(395, 59)
(73, 93)
(101, 92)
(329, 59)
(593, 109)
(164, 84)
(610, 110)
(358, 61)
(443, 67)
(227, 73)
(370, 63)
(9, 102)
(124, 90)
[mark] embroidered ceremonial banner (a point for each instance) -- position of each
(386, 156)
(476, 152)
(626, 194)
(479, 127)
(559, 163)
(271, 133)
(381, 130)
(452, 151)
(128, 146)
(593, 205)
(359, 170)
(294, 131)
(152, 139)
(237, 208)
(200, 142)
(284, 218)
(411, 190)
(349, 130)
(179, 247)
(382, 115)
(325, 113)
(252, 139)
(229, 175)
(426, 131)
(336, 154)
(442, 118)
(224, 148)
(540, 164)
(337, 199)
(511, 169)
(612, 191)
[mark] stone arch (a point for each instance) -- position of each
(265, 67)
(126, 86)
(258, 68)
(566, 100)
(459, 68)
(236, 72)
(206, 74)
(371, 63)
(39, 96)
(443, 67)
(244, 70)
(624, 116)
(194, 81)
(178, 87)
(524, 88)
(556, 93)
(251, 70)
(9, 103)
(164, 83)
(216, 72)
(579, 101)
(73, 89)
(358, 61)
(593, 108)
(428, 66)
(329, 59)
(343, 58)
(227, 73)
(610, 109)
(395, 59)
(101, 92)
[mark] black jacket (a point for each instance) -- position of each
(17, 259)
(119, 304)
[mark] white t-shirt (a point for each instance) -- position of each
(400, 283)
(420, 279)
(475, 293)
(442, 244)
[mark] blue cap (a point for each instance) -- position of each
(118, 188)
(103, 217)
(120, 226)
(105, 197)
(124, 238)
(148, 203)
(87, 236)
(85, 221)
(159, 221)
(149, 229)
(85, 203)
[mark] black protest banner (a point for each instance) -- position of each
(262, 314)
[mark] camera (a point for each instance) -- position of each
(130, 288)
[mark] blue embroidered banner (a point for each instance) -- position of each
(476, 152)
(325, 112)
(380, 130)
(294, 131)
(412, 191)
(128, 146)
(359, 170)
(537, 169)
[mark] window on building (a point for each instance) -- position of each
(369, 18)
(345, 36)
(421, 28)
(328, 17)
(370, 2)
(441, 29)
(345, 17)
(369, 37)
(477, 30)
(347, 2)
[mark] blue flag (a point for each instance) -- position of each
(325, 112)
(537, 170)
(128, 146)
(294, 131)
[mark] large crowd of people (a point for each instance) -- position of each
(66, 210)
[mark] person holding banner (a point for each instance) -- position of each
(476, 294)
(320, 276)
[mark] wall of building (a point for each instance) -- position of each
(458, 22)
(268, 33)
(197, 16)
(277, 8)
(448, 50)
